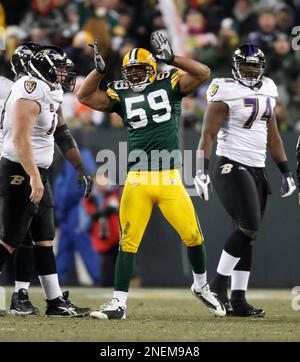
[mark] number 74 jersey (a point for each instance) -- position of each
(151, 117)
(243, 136)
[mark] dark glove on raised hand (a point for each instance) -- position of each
(84, 180)
(98, 60)
(162, 48)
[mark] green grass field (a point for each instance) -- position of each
(157, 315)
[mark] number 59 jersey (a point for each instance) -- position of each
(151, 117)
(42, 140)
(243, 136)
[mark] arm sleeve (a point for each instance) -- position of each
(176, 75)
(115, 102)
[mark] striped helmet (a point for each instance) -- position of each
(138, 69)
(248, 65)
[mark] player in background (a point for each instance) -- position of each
(149, 104)
(23, 255)
(31, 121)
(240, 113)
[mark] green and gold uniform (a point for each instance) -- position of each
(151, 117)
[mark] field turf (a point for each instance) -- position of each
(157, 315)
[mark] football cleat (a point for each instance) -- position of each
(110, 310)
(222, 296)
(21, 305)
(210, 300)
(62, 307)
(243, 309)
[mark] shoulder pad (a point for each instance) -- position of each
(30, 88)
(269, 88)
(219, 89)
(5, 87)
(118, 85)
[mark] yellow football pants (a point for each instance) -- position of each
(142, 190)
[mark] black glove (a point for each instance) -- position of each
(84, 180)
(98, 60)
(287, 184)
(162, 48)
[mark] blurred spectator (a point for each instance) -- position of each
(45, 15)
(2, 16)
(197, 35)
(15, 35)
(285, 18)
(294, 106)
(158, 21)
(244, 17)
(70, 104)
(14, 10)
(191, 114)
(102, 221)
(219, 58)
(283, 66)
(71, 26)
(98, 24)
(72, 239)
(281, 117)
(81, 53)
(266, 33)
(124, 27)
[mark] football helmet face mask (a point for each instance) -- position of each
(53, 67)
(248, 65)
(21, 56)
(138, 69)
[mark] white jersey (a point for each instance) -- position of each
(5, 87)
(243, 137)
(42, 140)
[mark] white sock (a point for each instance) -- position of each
(51, 286)
(199, 280)
(21, 285)
(239, 280)
(227, 263)
(122, 296)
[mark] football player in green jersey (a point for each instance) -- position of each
(150, 105)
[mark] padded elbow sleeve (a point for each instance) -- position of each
(64, 139)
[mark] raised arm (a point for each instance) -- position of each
(24, 117)
(196, 73)
(89, 92)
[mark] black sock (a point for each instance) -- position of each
(238, 296)
(44, 260)
(236, 245)
(23, 260)
(219, 285)
(4, 254)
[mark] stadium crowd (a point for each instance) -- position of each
(214, 28)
